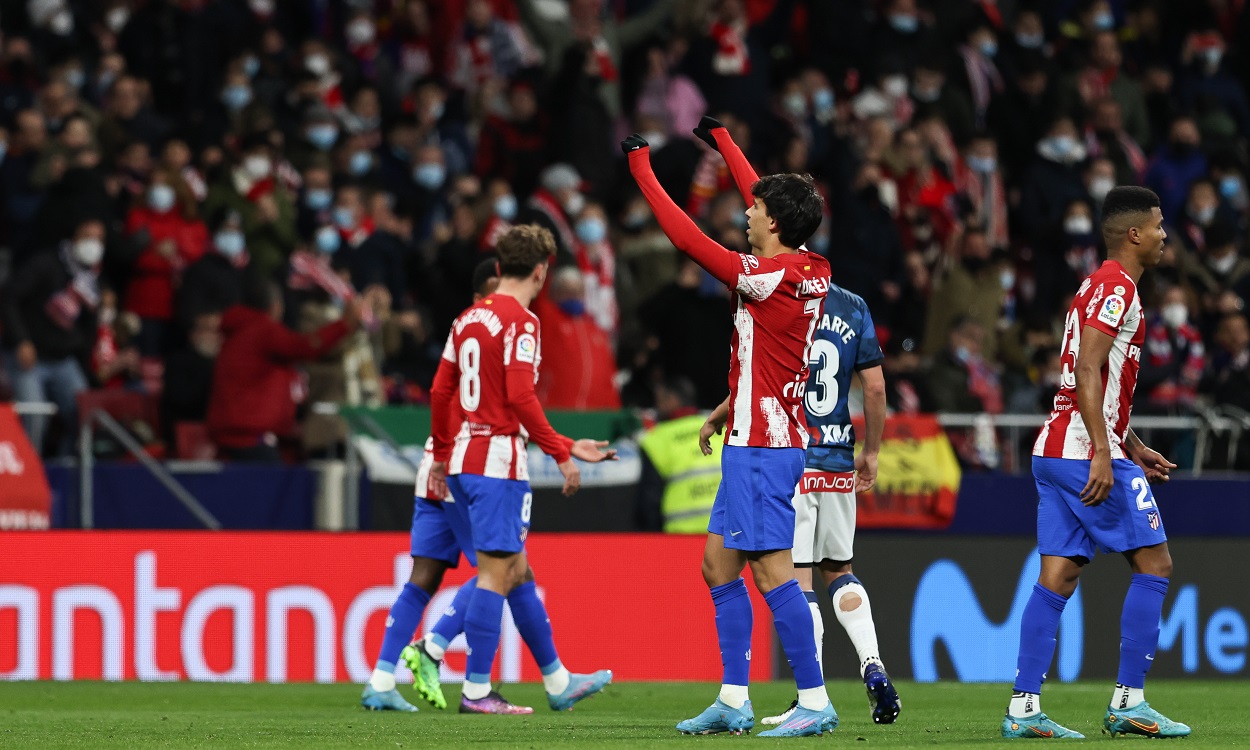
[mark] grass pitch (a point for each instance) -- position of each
(629, 715)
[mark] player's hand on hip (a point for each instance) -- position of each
(591, 451)
(1100, 480)
(1157, 468)
(438, 479)
(704, 131)
(572, 477)
(705, 436)
(633, 143)
(865, 471)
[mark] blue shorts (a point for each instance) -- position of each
(441, 531)
(498, 510)
(1127, 520)
(754, 508)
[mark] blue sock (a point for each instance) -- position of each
(733, 629)
(1139, 627)
(793, 620)
(404, 620)
(451, 624)
(530, 617)
(1038, 626)
(481, 630)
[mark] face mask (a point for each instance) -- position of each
(322, 136)
(360, 32)
(1062, 144)
(962, 354)
(236, 97)
(257, 166)
(1078, 225)
(317, 64)
(574, 308)
(88, 251)
(656, 139)
(904, 24)
(1202, 215)
(895, 86)
(429, 175)
(1100, 186)
(436, 110)
(251, 66)
(1104, 21)
(1175, 315)
(161, 198)
(261, 7)
(926, 95)
(506, 206)
(989, 47)
(1007, 279)
(328, 239)
(229, 242)
(794, 103)
(318, 199)
(982, 164)
(75, 78)
(116, 19)
(1030, 41)
(344, 217)
(359, 163)
(62, 24)
(592, 230)
(1230, 186)
(574, 204)
(1223, 265)
(1213, 57)
(822, 100)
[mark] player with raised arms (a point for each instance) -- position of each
(1093, 478)
(778, 293)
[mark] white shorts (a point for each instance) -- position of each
(824, 517)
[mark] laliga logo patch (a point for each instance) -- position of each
(1112, 310)
(526, 348)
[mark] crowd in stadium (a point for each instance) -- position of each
(164, 160)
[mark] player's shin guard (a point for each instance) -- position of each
(481, 630)
(793, 620)
(1139, 628)
(1038, 626)
(855, 618)
(818, 628)
(451, 624)
(733, 631)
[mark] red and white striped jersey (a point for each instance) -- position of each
(1108, 302)
(778, 300)
(422, 489)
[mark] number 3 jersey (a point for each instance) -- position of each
(1107, 301)
(486, 377)
(845, 341)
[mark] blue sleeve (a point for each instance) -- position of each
(869, 354)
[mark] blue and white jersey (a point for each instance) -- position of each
(845, 341)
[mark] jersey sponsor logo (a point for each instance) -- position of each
(835, 433)
(827, 481)
(1134, 352)
(817, 287)
(749, 262)
(1112, 310)
(526, 348)
(481, 315)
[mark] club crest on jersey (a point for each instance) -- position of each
(1112, 310)
(526, 348)
(1153, 519)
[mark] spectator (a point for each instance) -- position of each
(511, 143)
(1053, 181)
(678, 483)
(596, 259)
(212, 284)
(579, 367)
(1173, 359)
(1103, 77)
(1176, 165)
(977, 72)
(264, 203)
(1207, 84)
(695, 350)
(50, 327)
(970, 288)
(255, 384)
(556, 203)
(1021, 117)
(1228, 379)
(20, 195)
(1064, 256)
(933, 95)
(1203, 210)
(1105, 137)
(114, 356)
(981, 186)
(188, 376)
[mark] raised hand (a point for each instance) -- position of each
(704, 131)
(633, 143)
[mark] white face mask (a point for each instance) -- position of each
(257, 167)
(88, 251)
(1175, 315)
(575, 203)
(1078, 224)
(317, 64)
(1223, 265)
(1100, 186)
(360, 32)
(895, 86)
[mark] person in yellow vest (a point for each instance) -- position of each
(678, 484)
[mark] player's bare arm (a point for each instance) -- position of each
(1157, 468)
(1091, 360)
(714, 425)
(873, 381)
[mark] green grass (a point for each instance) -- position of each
(631, 715)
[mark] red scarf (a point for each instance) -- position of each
(260, 189)
(732, 57)
(356, 237)
(1136, 159)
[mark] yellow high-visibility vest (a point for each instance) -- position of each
(691, 478)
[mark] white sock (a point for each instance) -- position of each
(814, 699)
(858, 623)
(734, 696)
(435, 651)
(556, 682)
(1126, 697)
(818, 630)
(1024, 705)
(382, 681)
(475, 690)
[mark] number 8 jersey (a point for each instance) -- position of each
(845, 342)
(491, 361)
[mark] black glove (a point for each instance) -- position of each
(632, 143)
(704, 131)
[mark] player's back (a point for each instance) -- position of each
(845, 341)
(483, 341)
(778, 305)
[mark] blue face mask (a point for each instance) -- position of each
(359, 163)
(429, 175)
(318, 199)
(904, 24)
(251, 66)
(506, 206)
(591, 230)
(1030, 41)
(344, 218)
(236, 97)
(989, 47)
(982, 164)
(327, 239)
(573, 307)
(1230, 186)
(229, 242)
(161, 198)
(822, 100)
(322, 136)
(740, 219)
(962, 354)
(1104, 21)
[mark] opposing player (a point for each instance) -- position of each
(483, 410)
(824, 533)
(1093, 479)
(778, 293)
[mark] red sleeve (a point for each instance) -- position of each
(288, 346)
(724, 264)
(442, 415)
(524, 402)
(744, 176)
